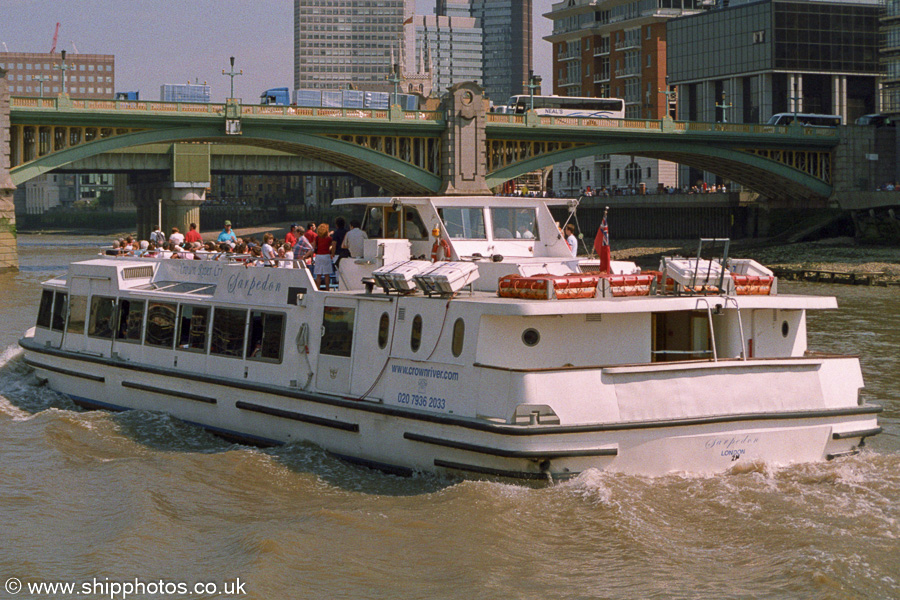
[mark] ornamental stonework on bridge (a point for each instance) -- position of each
(9, 258)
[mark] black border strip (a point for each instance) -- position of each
(495, 428)
(863, 434)
(853, 452)
(530, 454)
(172, 393)
(489, 471)
(69, 372)
(295, 416)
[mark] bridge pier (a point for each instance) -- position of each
(464, 143)
(9, 257)
(179, 202)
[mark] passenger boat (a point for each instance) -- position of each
(509, 360)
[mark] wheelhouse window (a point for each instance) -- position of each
(266, 335)
(193, 323)
(77, 311)
(60, 307)
(464, 223)
(413, 227)
(337, 331)
(103, 309)
(228, 329)
(160, 324)
(46, 309)
(131, 320)
(514, 223)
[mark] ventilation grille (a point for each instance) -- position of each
(593, 318)
(137, 272)
(401, 314)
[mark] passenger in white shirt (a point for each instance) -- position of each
(354, 239)
(177, 237)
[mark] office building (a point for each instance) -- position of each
(770, 57)
(184, 92)
(507, 49)
(86, 75)
(611, 49)
(343, 43)
(449, 46)
(890, 56)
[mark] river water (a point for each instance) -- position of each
(107, 500)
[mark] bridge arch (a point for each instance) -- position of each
(768, 177)
(393, 174)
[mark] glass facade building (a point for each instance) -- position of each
(184, 92)
(771, 56)
(338, 43)
(451, 44)
(890, 56)
(507, 50)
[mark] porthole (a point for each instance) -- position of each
(531, 337)
(785, 328)
(415, 338)
(383, 329)
(459, 336)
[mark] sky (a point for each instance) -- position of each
(176, 41)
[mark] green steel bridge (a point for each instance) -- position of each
(407, 152)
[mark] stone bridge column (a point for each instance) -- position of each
(464, 143)
(9, 256)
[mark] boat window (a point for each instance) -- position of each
(384, 327)
(514, 223)
(192, 326)
(373, 223)
(131, 320)
(160, 324)
(415, 337)
(392, 223)
(175, 287)
(459, 336)
(228, 329)
(77, 310)
(102, 311)
(680, 335)
(413, 227)
(463, 223)
(46, 309)
(337, 331)
(59, 311)
(531, 337)
(266, 334)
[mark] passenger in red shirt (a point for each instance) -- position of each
(311, 233)
(193, 235)
(324, 260)
(291, 236)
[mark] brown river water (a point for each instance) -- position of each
(107, 502)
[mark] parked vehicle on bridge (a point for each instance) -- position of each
(568, 106)
(133, 96)
(276, 96)
(806, 119)
(876, 120)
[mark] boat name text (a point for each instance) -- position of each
(253, 284)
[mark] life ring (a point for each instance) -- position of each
(440, 247)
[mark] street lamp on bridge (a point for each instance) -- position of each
(42, 79)
(724, 107)
(63, 67)
(232, 74)
(534, 83)
(394, 77)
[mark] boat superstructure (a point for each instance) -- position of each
(508, 360)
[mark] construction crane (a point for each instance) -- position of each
(55, 35)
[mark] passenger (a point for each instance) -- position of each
(353, 241)
(268, 252)
(291, 236)
(158, 237)
(340, 231)
(193, 235)
(227, 235)
(286, 253)
(152, 251)
(324, 261)
(571, 240)
(311, 233)
(303, 250)
(177, 237)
